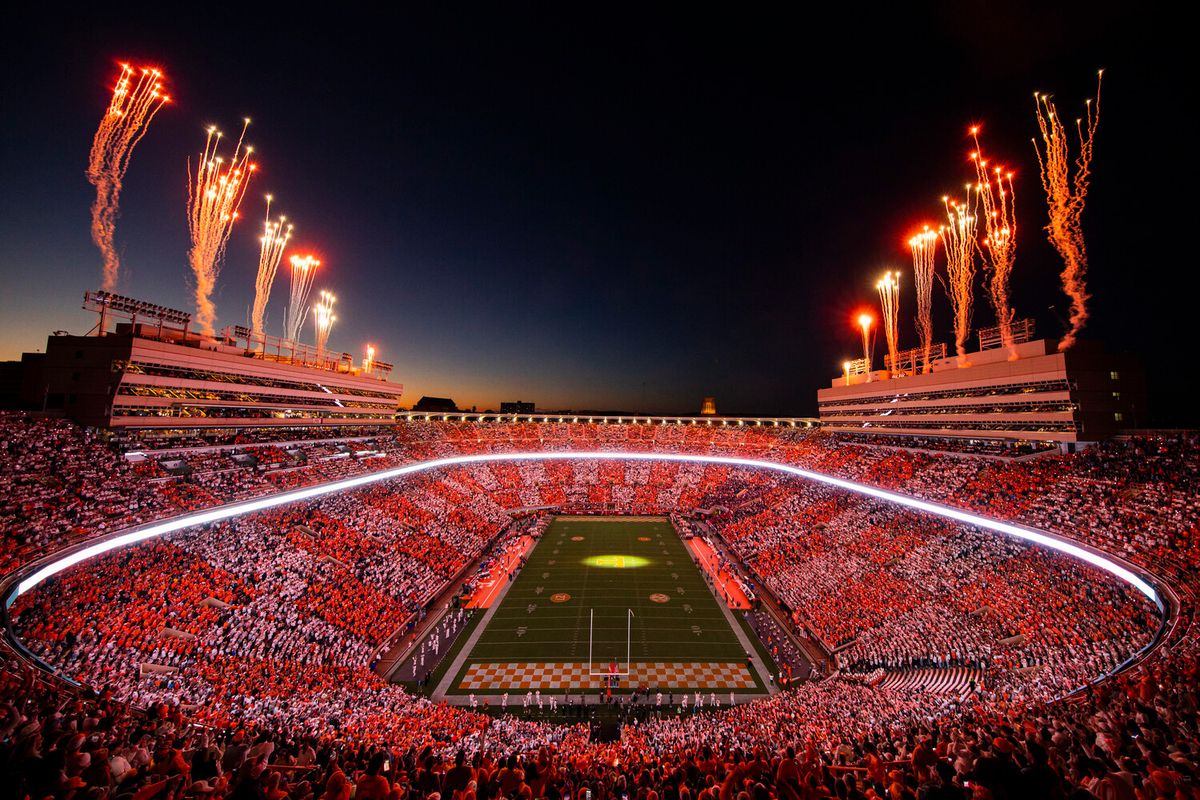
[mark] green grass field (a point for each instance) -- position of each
(611, 566)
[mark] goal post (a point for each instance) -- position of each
(628, 647)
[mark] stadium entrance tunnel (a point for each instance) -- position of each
(616, 561)
(64, 559)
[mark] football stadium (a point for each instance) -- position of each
(238, 562)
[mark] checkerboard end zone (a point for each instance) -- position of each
(562, 676)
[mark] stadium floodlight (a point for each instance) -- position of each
(106, 302)
(233, 510)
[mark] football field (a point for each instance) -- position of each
(655, 617)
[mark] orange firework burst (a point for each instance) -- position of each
(998, 203)
(136, 98)
(274, 239)
(958, 239)
(889, 302)
(924, 248)
(214, 195)
(324, 319)
(1065, 198)
(865, 321)
(304, 269)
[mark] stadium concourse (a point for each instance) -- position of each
(235, 659)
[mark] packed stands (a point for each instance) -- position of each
(953, 647)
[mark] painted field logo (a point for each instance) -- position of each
(616, 561)
(576, 538)
(559, 597)
(643, 538)
(659, 597)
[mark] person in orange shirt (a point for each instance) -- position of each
(336, 788)
(874, 764)
(373, 784)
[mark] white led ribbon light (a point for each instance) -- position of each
(238, 509)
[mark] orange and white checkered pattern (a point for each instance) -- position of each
(568, 675)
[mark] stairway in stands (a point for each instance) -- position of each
(954, 681)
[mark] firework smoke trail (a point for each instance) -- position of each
(958, 239)
(214, 196)
(997, 201)
(134, 104)
(324, 319)
(889, 301)
(1065, 198)
(304, 269)
(924, 248)
(274, 239)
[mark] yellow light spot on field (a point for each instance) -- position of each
(616, 561)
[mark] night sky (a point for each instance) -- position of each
(604, 207)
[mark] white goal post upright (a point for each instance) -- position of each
(628, 646)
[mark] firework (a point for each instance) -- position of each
(369, 359)
(864, 322)
(997, 202)
(924, 247)
(1065, 198)
(958, 240)
(889, 301)
(274, 239)
(136, 98)
(214, 195)
(304, 269)
(324, 319)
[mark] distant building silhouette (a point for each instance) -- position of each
(517, 407)
(437, 405)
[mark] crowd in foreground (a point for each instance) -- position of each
(1134, 737)
(234, 661)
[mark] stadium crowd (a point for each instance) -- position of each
(235, 660)
(62, 483)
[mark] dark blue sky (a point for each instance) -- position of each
(625, 210)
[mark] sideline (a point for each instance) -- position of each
(440, 693)
(706, 557)
(739, 631)
(488, 592)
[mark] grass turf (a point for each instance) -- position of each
(610, 565)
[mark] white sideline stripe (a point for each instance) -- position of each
(238, 509)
